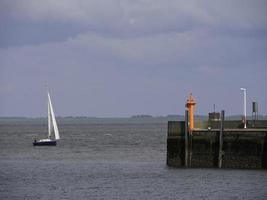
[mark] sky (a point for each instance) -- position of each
(117, 58)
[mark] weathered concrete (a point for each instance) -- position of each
(242, 148)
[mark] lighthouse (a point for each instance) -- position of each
(190, 105)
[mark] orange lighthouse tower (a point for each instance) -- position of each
(190, 105)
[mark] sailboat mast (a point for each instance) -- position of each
(49, 116)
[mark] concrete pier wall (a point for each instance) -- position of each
(242, 148)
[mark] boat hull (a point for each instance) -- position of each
(45, 143)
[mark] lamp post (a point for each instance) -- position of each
(245, 106)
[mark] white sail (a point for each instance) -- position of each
(53, 119)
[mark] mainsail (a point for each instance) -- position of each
(52, 119)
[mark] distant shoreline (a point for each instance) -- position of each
(132, 118)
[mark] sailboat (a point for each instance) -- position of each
(52, 127)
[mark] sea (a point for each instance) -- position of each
(109, 159)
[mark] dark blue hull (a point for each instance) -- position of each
(45, 143)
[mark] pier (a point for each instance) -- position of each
(217, 144)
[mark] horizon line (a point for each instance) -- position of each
(132, 116)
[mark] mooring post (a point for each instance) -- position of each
(221, 140)
(190, 149)
(186, 138)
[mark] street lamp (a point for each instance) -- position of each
(245, 106)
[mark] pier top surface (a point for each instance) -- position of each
(232, 130)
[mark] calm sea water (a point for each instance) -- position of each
(109, 160)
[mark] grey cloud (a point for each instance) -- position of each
(187, 49)
(136, 18)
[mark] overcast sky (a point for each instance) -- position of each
(117, 58)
